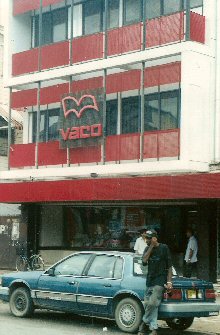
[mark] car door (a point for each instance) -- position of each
(57, 288)
(98, 287)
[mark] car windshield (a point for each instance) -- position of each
(140, 270)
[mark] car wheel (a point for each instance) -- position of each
(128, 315)
(180, 323)
(21, 303)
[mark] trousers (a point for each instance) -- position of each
(152, 300)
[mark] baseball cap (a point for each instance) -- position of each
(151, 233)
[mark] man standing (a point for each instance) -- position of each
(190, 266)
(140, 243)
(157, 256)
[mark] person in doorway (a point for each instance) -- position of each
(140, 243)
(190, 259)
(157, 256)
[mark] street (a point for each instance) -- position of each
(54, 323)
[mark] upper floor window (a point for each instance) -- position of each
(92, 16)
(113, 13)
(54, 27)
(153, 8)
(132, 11)
(172, 6)
(111, 117)
(48, 125)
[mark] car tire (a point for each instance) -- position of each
(20, 302)
(180, 323)
(128, 315)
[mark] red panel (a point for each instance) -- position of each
(85, 155)
(50, 2)
(51, 154)
(22, 6)
(124, 39)
(172, 28)
(123, 147)
(53, 94)
(25, 62)
(115, 39)
(87, 84)
(87, 47)
(24, 98)
(165, 29)
(22, 155)
(197, 27)
(150, 149)
(168, 143)
(162, 74)
(54, 55)
(124, 81)
(197, 186)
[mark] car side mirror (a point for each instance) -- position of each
(50, 272)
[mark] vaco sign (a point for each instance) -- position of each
(81, 119)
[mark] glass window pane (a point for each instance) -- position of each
(59, 25)
(118, 268)
(132, 11)
(113, 13)
(111, 117)
(92, 17)
(53, 118)
(46, 28)
(153, 8)
(194, 3)
(73, 265)
(151, 113)
(130, 111)
(172, 6)
(36, 31)
(102, 266)
(3, 122)
(169, 110)
(42, 135)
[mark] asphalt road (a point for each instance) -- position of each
(52, 323)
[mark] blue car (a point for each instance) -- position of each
(108, 285)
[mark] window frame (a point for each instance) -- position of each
(101, 27)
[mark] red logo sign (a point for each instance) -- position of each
(88, 97)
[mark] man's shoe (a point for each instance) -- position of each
(143, 328)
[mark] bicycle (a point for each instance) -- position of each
(24, 263)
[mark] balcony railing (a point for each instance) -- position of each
(156, 145)
(159, 31)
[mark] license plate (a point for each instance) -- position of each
(194, 294)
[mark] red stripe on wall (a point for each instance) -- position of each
(50, 2)
(22, 155)
(25, 62)
(162, 74)
(55, 55)
(53, 94)
(197, 27)
(123, 147)
(124, 39)
(123, 81)
(51, 154)
(85, 155)
(87, 47)
(87, 84)
(22, 6)
(197, 186)
(24, 98)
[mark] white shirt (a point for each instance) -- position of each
(192, 244)
(140, 245)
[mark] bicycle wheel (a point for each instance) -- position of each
(37, 263)
(21, 263)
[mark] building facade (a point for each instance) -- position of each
(121, 124)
